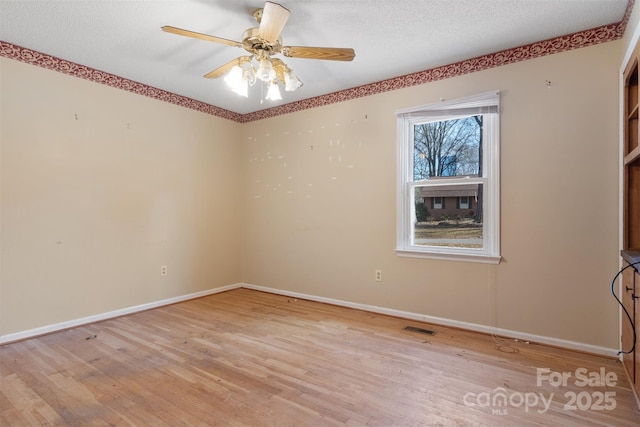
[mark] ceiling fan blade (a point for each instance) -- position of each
(222, 70)
(187, 33)
(272, 22)
(328, 53)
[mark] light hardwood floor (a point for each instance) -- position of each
(248, 358)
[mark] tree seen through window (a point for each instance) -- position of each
(448, 148)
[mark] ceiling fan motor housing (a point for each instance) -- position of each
(252, 42)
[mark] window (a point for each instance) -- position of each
(463, 202)
(449, 180)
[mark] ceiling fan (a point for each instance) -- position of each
(262, 43)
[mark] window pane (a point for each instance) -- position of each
(447, 148)
(441, 220)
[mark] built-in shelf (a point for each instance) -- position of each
(631, 219)
(633, 156)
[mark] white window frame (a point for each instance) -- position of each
(437, 204)
(487, 104)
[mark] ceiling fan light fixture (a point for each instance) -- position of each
(266, 73)
(236, 81)
(273, 92)
(291, 81)
(249, 73)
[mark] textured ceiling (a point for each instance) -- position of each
(391, 38)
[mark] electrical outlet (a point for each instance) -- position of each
(378, 275)
(163, 270)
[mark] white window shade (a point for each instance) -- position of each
(484, 103)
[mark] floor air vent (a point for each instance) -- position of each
(422, 331)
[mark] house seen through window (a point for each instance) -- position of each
(449, 180)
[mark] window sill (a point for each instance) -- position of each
(448, 256)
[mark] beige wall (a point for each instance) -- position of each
(92, 205)
(321, 194)
(304, 202)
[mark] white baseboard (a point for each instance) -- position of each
(521, 336)
(4, 339)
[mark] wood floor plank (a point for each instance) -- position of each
(248, 358)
